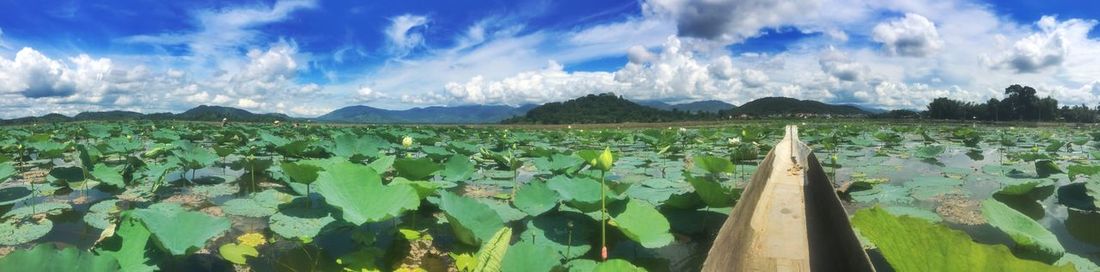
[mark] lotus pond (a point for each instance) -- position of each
(176, 196)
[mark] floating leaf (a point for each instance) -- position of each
(181, 232)
(925, 188)
(99, 215)
(19, 231)
(641, 222)
(912, 244)
(535, 198)
(929, 151)
(259, 204)
(236, 253)
(299, 222)
(527, 256)
(472, 222)
(108, 175)
(44, 257)
(357, 190)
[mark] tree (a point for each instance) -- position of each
(1022, 102)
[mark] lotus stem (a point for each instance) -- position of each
(603, 216)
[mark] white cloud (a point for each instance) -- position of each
(1049, 47)
(402, 36)
(913, 35)
(731, 21)
(837, 64)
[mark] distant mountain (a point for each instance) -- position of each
(593, 108)
(783, 105)
(712, 106)
(216, 113)
(473, 114)
(200, 113)
(108, 115)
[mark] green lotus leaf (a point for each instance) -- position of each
(1022, 186)
(11, 195)
(25, 212)
(6, 171)
(641, 222)
(259, 204)
(300, 222)
(300, 172)
(236, 253)
(929, 151)
(1092, 188)
(416, 169)
(178, 231)
(535, 198)
(193, 156)
(713, 165)
(108, 175)
(45, 257)
(505, 211)
(348, 145)
(569, 234)
(216, 190)
(1028, 234)
(1045, 168)
(1076, 170)
(131, 252)
(528, 256)
(423, 188)
(1082, 264)
(713, 193)
(471, 221)
(99, 215)
(65, 175)
(358, 192)
(580, 193)
(458, 168)
(382, 164)
(19, 231)
(913, 244)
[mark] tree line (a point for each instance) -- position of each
(1020, 104)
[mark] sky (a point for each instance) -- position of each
(306, 58)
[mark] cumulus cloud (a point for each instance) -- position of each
(34, 75)
(837, 64)
(732, 20)
(912, 35)
(366, 94)
(402, 35)
(1046, 48)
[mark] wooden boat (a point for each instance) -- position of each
(789, 218)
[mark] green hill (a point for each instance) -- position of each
(593, 108)
(769, 106)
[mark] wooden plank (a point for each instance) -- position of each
(769, 229)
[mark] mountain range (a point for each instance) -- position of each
(599, 108)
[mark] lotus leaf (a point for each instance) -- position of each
(528, 256)
(471, 221)
(416, 169)
(181, 232)
(44, 257)
(641, 222)
(236, 253)
(913, 244)
(358, 192)
(535, 198)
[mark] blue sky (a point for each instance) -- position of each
(305, 57)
